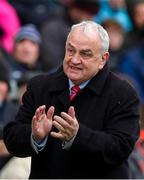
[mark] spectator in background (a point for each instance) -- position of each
(34, 11)
(136, 35)
(136, 159)
(21, 87)
(132, 64)
(115, 10)
(9, 25)
(8, 110)
(4, 65)
(10, 167)
(117, 42)
(54, 31)
(26, 52)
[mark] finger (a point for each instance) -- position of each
(63, 126)
(42, 118)
(39, 111)
(34, 121)
(67, 118)
(50, 112)
(42, 109)
(71, 111)
(61, 121)
(58, 126)
(34, 125)
(57, 135)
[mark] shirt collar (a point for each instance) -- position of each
(81, 86)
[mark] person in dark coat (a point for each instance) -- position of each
(90, 136)
(8, 110)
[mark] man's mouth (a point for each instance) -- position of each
(75, 68)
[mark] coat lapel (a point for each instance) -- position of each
(60, 87)
(97, 83)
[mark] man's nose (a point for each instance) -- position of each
(75, 59)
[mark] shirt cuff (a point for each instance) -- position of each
(66, 145)
(38, 145)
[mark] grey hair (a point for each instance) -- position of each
(91, 25)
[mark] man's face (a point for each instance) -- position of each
(83, 58)
(26, 51)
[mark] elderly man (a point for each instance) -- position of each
(80, 122)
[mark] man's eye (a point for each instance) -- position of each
(70, 51)
(86, 55)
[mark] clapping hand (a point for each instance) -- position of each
(42, 122)
(66, 124)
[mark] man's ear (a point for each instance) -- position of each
(104, 59)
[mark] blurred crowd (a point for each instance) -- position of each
(32, 41)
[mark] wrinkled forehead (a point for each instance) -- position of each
(89, 33)
(82, 40)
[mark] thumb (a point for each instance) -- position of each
(71, 111)
(50, 112)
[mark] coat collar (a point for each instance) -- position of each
(96, 84)
(59, 82)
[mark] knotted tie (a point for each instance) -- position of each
(74, 90)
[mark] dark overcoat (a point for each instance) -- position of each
(107, 111)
